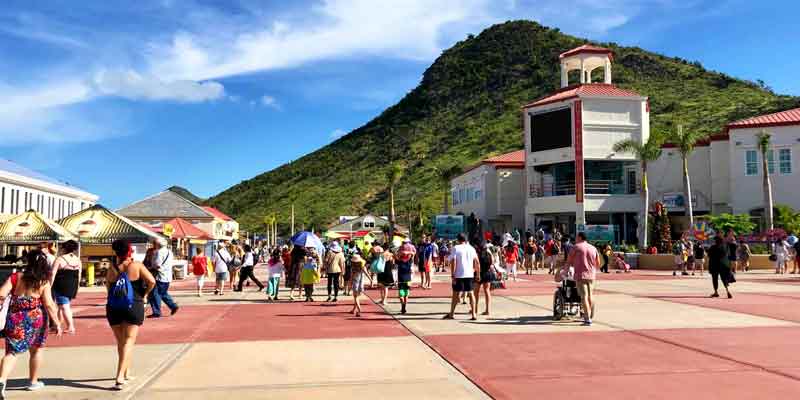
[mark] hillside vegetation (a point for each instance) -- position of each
(467, 107)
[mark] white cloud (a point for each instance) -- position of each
(335, 28)
(132, 85)
(337, 133)
(271, 102)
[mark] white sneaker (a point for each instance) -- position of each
(35, 386)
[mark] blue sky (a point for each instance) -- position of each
(126, 101)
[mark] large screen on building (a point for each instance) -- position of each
(551, 130)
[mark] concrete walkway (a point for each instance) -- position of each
(654, 337)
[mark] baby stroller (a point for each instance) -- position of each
(566, 300)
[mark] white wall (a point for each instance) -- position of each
(511, 195)
(608, 121)
(720, 177)
(475, 179)
(746, 191)
(51, 204)
(666, 176)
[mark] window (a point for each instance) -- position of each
(454, 197)
(750, 163)
(785, 161)
(478, 194)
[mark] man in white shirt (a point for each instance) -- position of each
(221, 259)
(162, 265)
(465, 266)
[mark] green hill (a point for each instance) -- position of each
(467, 107)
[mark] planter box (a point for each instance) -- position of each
(666, 262)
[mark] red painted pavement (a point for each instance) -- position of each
(773, 306)
(604, 365)
(765, 347)
(663, 386)
(301, 321)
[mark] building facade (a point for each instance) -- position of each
(574, 177)
(726, 171)
(162, 207)
(22, 189)
(493, 190)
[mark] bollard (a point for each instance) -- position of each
(89, 274)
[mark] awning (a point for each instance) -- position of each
(334, 235)
(31, 227)
(183, 229)
(99, 225)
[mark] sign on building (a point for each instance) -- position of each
(676, 201)
(448, 226)
(599, 233)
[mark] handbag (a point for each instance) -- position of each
(6, 305)
(773, 257)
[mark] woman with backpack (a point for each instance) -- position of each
(128, 283)
(237, 258)
(30, 307)
(486, 277)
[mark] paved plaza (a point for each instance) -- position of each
(655, 337)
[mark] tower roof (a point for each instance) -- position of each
(587, 48)
(584, 90)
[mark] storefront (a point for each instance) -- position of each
(27, 231)
(96, 228)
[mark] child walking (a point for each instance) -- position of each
(276, 270)
(359, 274)
(310, 275)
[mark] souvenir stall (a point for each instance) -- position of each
(184, 238)
(27, 231)
(97, 227)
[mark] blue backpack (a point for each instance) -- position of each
(120, 296)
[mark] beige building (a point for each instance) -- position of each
(494, 190)
(726, 173)
(573, 175)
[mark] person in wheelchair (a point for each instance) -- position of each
(566, 300)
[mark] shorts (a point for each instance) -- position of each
(61, 300)
(463, 285)
(132, 316)
(585, 286)
(403, 289)
(222, 276)
(539, 257)
(679, 260)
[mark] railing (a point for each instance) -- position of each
(592, 186)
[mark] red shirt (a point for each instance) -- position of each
(199, 265)
(584, 259)
(511, 254)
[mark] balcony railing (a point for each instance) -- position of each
(591, 186)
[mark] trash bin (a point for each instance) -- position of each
(89, 274)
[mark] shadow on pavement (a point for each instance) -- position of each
(21, 384)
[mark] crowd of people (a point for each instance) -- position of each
(37, 299)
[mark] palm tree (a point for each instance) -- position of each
(393, 175)
(686, 141)
(446, 175)
(763, 145)
(645, 152)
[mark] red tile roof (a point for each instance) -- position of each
(587, 48)
(513, 159)
(584, 90)
(217, 213)
(183, 229)
(788, 117)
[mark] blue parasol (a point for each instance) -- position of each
(308, 239)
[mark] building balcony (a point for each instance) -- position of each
(591, 186)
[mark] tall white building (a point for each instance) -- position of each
(573, 175)
(23, 189)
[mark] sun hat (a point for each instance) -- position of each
(335, 248)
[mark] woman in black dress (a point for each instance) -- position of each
(386, 278)
(719, 266)
(487, 275)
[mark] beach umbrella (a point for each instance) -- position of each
(308, 239)
(791, 240)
